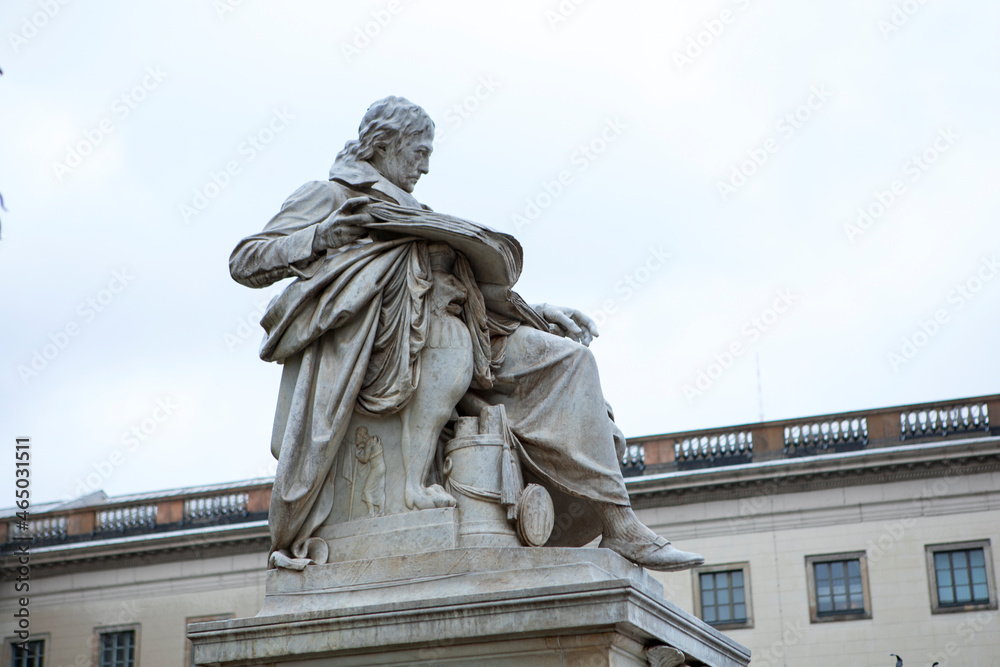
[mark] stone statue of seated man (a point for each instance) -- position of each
(387, 338)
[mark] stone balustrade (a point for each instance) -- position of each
(715, 449)
(826, 434)
(195, 508)
(190, 508)
(44, 528)
(831, 435)
(962, 418)
(212, 508)
(125, 519)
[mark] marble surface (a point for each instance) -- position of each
(398, 322)
(483, 606)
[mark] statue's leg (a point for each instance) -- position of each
(428, 411)
(551, 389)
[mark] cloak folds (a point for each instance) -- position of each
(350, 338)
(350, 329)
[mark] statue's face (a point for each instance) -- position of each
(404, 161)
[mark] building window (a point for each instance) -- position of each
(27, 654)
(117, 649)
(961, 576)
(722, 595)
(838, 587)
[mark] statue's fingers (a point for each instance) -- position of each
(355, 220)
(349, 233)
(586, 323)
(566, 323)
(354, 203)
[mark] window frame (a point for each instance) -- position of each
(936, 607)
(743, 567)
(112, 629)
(7, 659)
(866, 599)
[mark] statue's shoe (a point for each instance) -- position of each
(656, 555)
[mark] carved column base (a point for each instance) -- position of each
(480, 606)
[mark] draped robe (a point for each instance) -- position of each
(349, 330)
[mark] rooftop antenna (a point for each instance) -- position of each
(760, 390)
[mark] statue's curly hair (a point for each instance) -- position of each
(385, 120)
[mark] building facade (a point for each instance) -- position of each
(832, 540)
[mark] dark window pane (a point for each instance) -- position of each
(961, 576)
(31, 655)
(118, 649)
(941, 561)
(722, 597)
(842, 590)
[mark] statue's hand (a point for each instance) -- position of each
(568, 322)
(343, 226)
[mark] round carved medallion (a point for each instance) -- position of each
(535, 516)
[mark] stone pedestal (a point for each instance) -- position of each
(487, 607)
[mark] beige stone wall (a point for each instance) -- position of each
(159, 598)
(892, 522)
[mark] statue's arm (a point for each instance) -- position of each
(309, 222)
(568, 322)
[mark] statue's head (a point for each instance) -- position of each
(396, 136)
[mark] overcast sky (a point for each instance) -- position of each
(690, 173)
